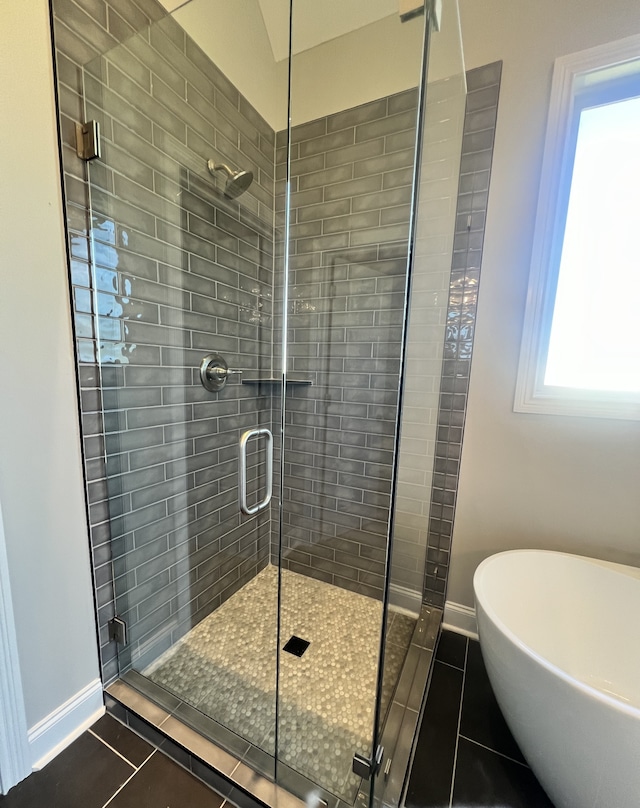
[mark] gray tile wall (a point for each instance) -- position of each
(351, 192)
(180, 272)
(163, 296)
(431, 271)
(483, 85)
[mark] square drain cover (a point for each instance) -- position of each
(296, 646)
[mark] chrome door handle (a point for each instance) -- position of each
(244, 440)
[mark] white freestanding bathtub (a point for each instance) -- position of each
(560, 636)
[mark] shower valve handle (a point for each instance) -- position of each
(214, 372)
(219, 373)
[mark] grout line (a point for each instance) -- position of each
(128, 780)
(495, 751)
(455, 755)
(235, 768)
(449, 664)
(102, 740)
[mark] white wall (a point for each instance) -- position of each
(379, 59)
(41, 486)
(236, 39)
(533, 481)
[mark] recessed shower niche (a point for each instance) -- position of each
(260, 261)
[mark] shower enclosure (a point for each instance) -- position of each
(257, 218)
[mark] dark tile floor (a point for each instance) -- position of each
(466, 755)
(111, 765)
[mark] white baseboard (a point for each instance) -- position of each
(405, 600)
(61, 727)
(461, 619)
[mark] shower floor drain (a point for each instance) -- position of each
(296, 646)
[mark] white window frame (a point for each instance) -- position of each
(591, 67)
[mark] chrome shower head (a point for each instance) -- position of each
(238, 184)
(237, 181)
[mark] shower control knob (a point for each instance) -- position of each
(214, 372)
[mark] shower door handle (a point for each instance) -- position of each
(244, 440)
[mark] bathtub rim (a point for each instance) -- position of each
(589, 690)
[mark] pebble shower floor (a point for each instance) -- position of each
(226, 668)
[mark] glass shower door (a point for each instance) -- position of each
(182, 262)
(352, 145)
(259, 623)
(416, 499)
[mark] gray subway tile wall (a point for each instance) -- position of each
(438, 191)
(180, 272)
(348, 259)
(483, 88)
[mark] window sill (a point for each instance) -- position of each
(582, 406)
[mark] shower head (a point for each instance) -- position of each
(237, 181)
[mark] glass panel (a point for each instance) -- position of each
(406, 659)
(190, 259)
(443, 112)
(355, 74)
(183, 268)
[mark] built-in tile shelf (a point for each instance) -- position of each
(272, 380)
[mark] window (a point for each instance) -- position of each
(581, 343)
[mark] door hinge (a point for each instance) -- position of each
(118, 630)
(88, 140)
(367, 767)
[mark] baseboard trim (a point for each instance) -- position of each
(404, 599)
(56, 731)
(461, 619)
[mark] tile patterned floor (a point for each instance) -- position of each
(109, 765)
(226, 668)
(465, 754)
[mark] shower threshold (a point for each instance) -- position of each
(234, 766)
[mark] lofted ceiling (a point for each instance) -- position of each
(348, 52)
(314, 22)
(317, 22)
